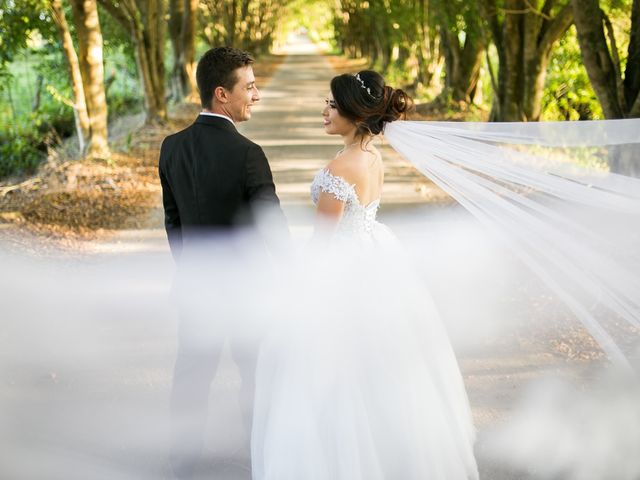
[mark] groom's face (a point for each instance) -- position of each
(243, 95)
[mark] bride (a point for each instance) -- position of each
(361, 381)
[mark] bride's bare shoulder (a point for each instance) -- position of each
(353, 166)
(340, 165)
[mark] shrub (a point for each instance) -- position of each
(22, 149)
(24, 142)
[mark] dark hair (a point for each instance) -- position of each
(217, 68)
(365, 99)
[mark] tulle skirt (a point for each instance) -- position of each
(359, 379)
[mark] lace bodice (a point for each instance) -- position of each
(357, 219)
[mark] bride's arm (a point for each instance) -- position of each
(328, 212)
(336, 187)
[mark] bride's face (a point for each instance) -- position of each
(334, 123)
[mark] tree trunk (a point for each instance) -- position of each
(468, 85)
(464, 53)
(605, 76)
(632, 72)
(541, 32)
(512, 85)
(595, 54)
(524, 42)
(38, 95)
(150, 59)
(427, 53)
(188, 60)
(80, 114)
(176, 14)
(144, 20)
(85, 14)
(148, 62)
(231, 23)
(490, 13)
(618, 98)
(451, 50)
(463, 63)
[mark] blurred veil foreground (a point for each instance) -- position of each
(88, 350)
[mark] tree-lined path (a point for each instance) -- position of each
(288, 124)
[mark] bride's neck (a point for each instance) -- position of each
(352, 138)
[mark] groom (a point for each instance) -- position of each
(213, 181)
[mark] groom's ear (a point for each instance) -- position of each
(220, 95)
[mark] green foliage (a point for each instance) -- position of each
(459, 16)
(23, 23)
(314, 17)
(568, 93)
(382, 31)
(24, 133)
(249, 25)
(115, 38)
(121, 78)
(619, 12)
(17, 101)
(22, 147)
(123, 102)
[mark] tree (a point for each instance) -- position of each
(428, 48)
(523, 32)
(399, 36)
(245, 24)
(619, 97)
(182, 26)
(463, 47)
(79, 105)
(144, 21)
(87, 25)
(353, 34)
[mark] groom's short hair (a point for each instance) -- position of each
(217, 68)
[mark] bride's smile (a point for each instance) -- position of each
(334, 123)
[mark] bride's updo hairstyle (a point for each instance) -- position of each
(364, 99)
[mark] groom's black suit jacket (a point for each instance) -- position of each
(212, 179)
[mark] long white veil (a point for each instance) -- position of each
(547, 190)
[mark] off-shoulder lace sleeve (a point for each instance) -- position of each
(326, 182)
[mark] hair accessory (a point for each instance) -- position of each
(357, 75)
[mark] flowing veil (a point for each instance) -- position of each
(547, 191)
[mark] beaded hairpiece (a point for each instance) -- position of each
(357, 75)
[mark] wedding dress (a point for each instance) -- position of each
(360, 382)
(358, 223)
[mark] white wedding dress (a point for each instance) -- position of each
(359, 380)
